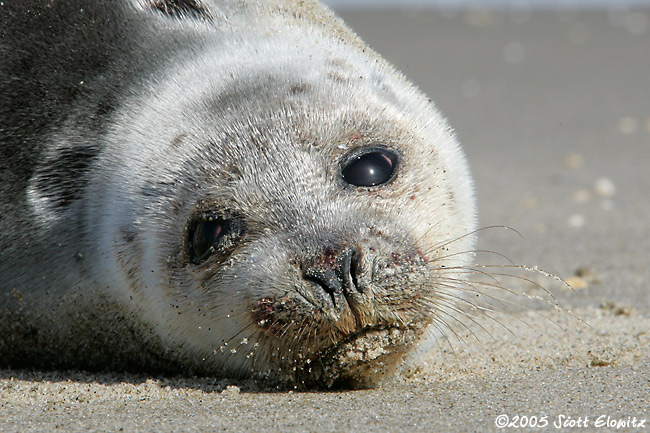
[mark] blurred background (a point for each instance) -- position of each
(550, 100)
(536, 4)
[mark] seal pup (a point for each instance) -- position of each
(223, 188)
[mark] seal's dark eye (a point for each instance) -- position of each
(213, 233)
(205, 237)
(371, 168)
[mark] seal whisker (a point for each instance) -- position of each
(473, 287)
(470, 270)
(447, 242)
(443, 312)
(439, 306)
(469, 252)
(519, 277)
(471, 284)
(274, 200)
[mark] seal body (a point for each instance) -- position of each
(219, 187)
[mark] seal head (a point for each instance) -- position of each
(272, 199)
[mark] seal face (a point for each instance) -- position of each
(224, 188)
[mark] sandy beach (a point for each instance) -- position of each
(553, 111)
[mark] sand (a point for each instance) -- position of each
(553, 110)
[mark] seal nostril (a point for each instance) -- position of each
(336, 274)
(328, 280)
(355, 268)
(347, 269)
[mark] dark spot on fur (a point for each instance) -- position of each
(339, 63)
(63, 178)
(105, 107)
(328, 257)
(335, 76)
(298, 89)
(275, 315)
(128, 236)
(174, 206)
(178, 139)
(232, 173)
(182, 8)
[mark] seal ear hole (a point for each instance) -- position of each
(371, 167)
(210, 234)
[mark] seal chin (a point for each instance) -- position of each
(360, 360)
(363, 360)
(337, 326)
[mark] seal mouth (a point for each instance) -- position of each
(337, 327)
(339, 356)
(362, 360)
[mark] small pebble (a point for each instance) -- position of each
(617, 310)
(576, 220)
(576, 283)
(604, 187)
(589, 275)
(573, 160)
(530, 203)
(627, 125)
(231, 390)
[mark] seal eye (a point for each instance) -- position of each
(206, 235)
(371, 168)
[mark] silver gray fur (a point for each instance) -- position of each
(121, 121)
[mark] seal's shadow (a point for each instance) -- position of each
(205, 384)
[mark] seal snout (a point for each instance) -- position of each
(336, 284)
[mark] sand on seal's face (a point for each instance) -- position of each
(237, 189)
(539, 369)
